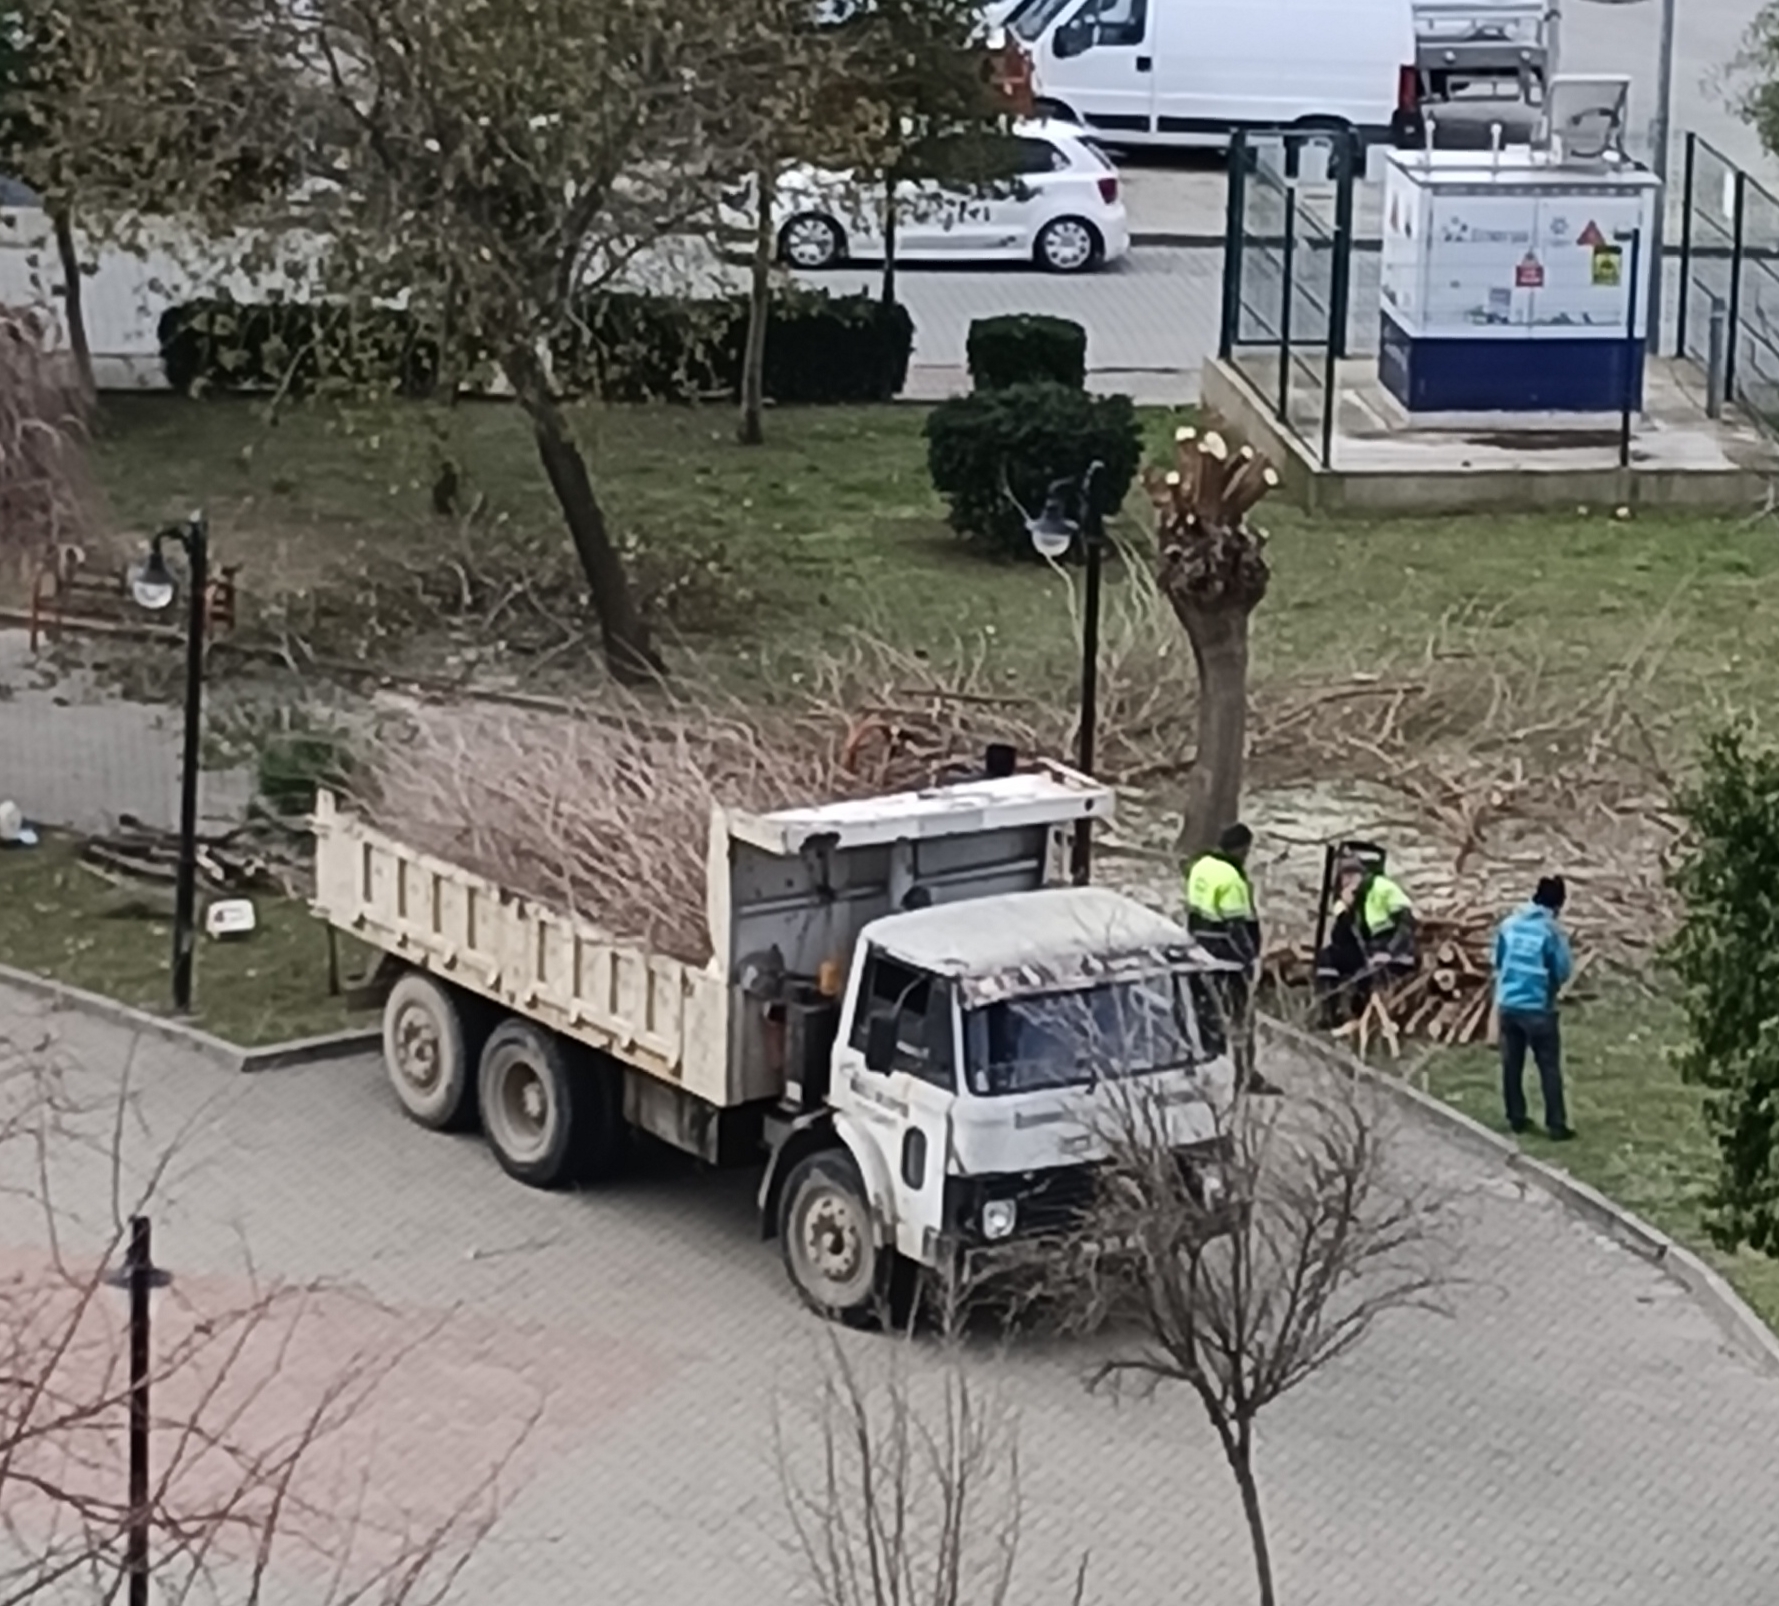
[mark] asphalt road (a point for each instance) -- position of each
(1573, 1432)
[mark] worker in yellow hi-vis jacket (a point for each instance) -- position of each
(1220, 914)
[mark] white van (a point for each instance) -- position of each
(1190, 72)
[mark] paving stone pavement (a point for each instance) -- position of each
(1575, 1432)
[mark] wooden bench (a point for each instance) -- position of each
(68, 593)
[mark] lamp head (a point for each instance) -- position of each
(1053, 532)
(151, 581)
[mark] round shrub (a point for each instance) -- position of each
(1024, 348)
(992, 455)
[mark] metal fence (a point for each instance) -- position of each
(1288, 270)
(1727, 318)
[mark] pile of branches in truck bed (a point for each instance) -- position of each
(607, 815)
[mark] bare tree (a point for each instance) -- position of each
(905, 1490)
(1243, 1298)
(251, 1433)
(1211, 566)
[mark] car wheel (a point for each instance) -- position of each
(1068, 245)
(811, 241)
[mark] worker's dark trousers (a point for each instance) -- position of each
(1539, 1032)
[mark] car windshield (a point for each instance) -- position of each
(1123, 1028)
(1032, 18)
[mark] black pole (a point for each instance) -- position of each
(194, 538)
(1285, 300)
(1738, 217)
(1628, 393)
(1093, 532)
(1234, 245)
(139, 1265)
(1686, 238)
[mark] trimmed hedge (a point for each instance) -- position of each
(820, 349)
(1025, 348)
(995, 453)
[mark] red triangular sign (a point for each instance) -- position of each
(1591, 235)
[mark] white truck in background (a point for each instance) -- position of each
(903, 1014)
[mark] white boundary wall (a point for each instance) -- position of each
(125, 291)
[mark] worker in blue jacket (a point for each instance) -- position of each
(1533, 962)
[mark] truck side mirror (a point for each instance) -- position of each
(1072, 39)
(880, 1043)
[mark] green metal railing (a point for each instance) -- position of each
(1287, 271)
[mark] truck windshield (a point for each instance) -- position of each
(1124, 1028)
(1032, 18)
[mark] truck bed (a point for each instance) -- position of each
(656, 1014)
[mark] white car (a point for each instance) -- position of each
(1064, 210)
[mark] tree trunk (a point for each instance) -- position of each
(751, 429)
(888, 293)
(1219, 640)
(73, 308)
(1241, 1462)
(629, 655)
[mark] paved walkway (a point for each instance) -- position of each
(74, 754)
(1574, 1434)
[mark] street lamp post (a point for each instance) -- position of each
(1053, 532)
(154, 587)
(139, 1276)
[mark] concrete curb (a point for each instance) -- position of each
(1745, 1330)
(230, 1056)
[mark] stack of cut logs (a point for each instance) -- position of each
(1448, 999)
(226, 863)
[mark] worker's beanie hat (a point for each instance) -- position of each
(1235, 838)
(1551, 893)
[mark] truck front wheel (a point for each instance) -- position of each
(548, 1119)
(428, 1053)
(825, 1233)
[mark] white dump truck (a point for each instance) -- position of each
(903, 1015)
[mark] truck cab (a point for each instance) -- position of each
(986, 1051)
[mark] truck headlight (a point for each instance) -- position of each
(999, 1216)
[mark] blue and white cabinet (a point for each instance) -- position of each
(1505, 283)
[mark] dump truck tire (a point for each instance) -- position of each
(427, 1053)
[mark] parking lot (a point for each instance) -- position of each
(1573, 1432)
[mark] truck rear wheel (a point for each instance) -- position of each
(549, 1119)
(825, 1233)
(427, 1053)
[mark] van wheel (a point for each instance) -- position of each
(825, 1233)
(1055, 110)
(1068, 245)
(550, 1119)
(811, 241)
(428, 1050)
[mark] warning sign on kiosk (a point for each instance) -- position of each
(1529, 275)
(1591, 235)
(1607, 261)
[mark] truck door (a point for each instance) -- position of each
(1100, 62)
(905, 1037)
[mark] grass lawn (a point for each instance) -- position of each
(832, 528)
(60, 920)
(1643, 1139)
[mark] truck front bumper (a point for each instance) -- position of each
(1003, 1217)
